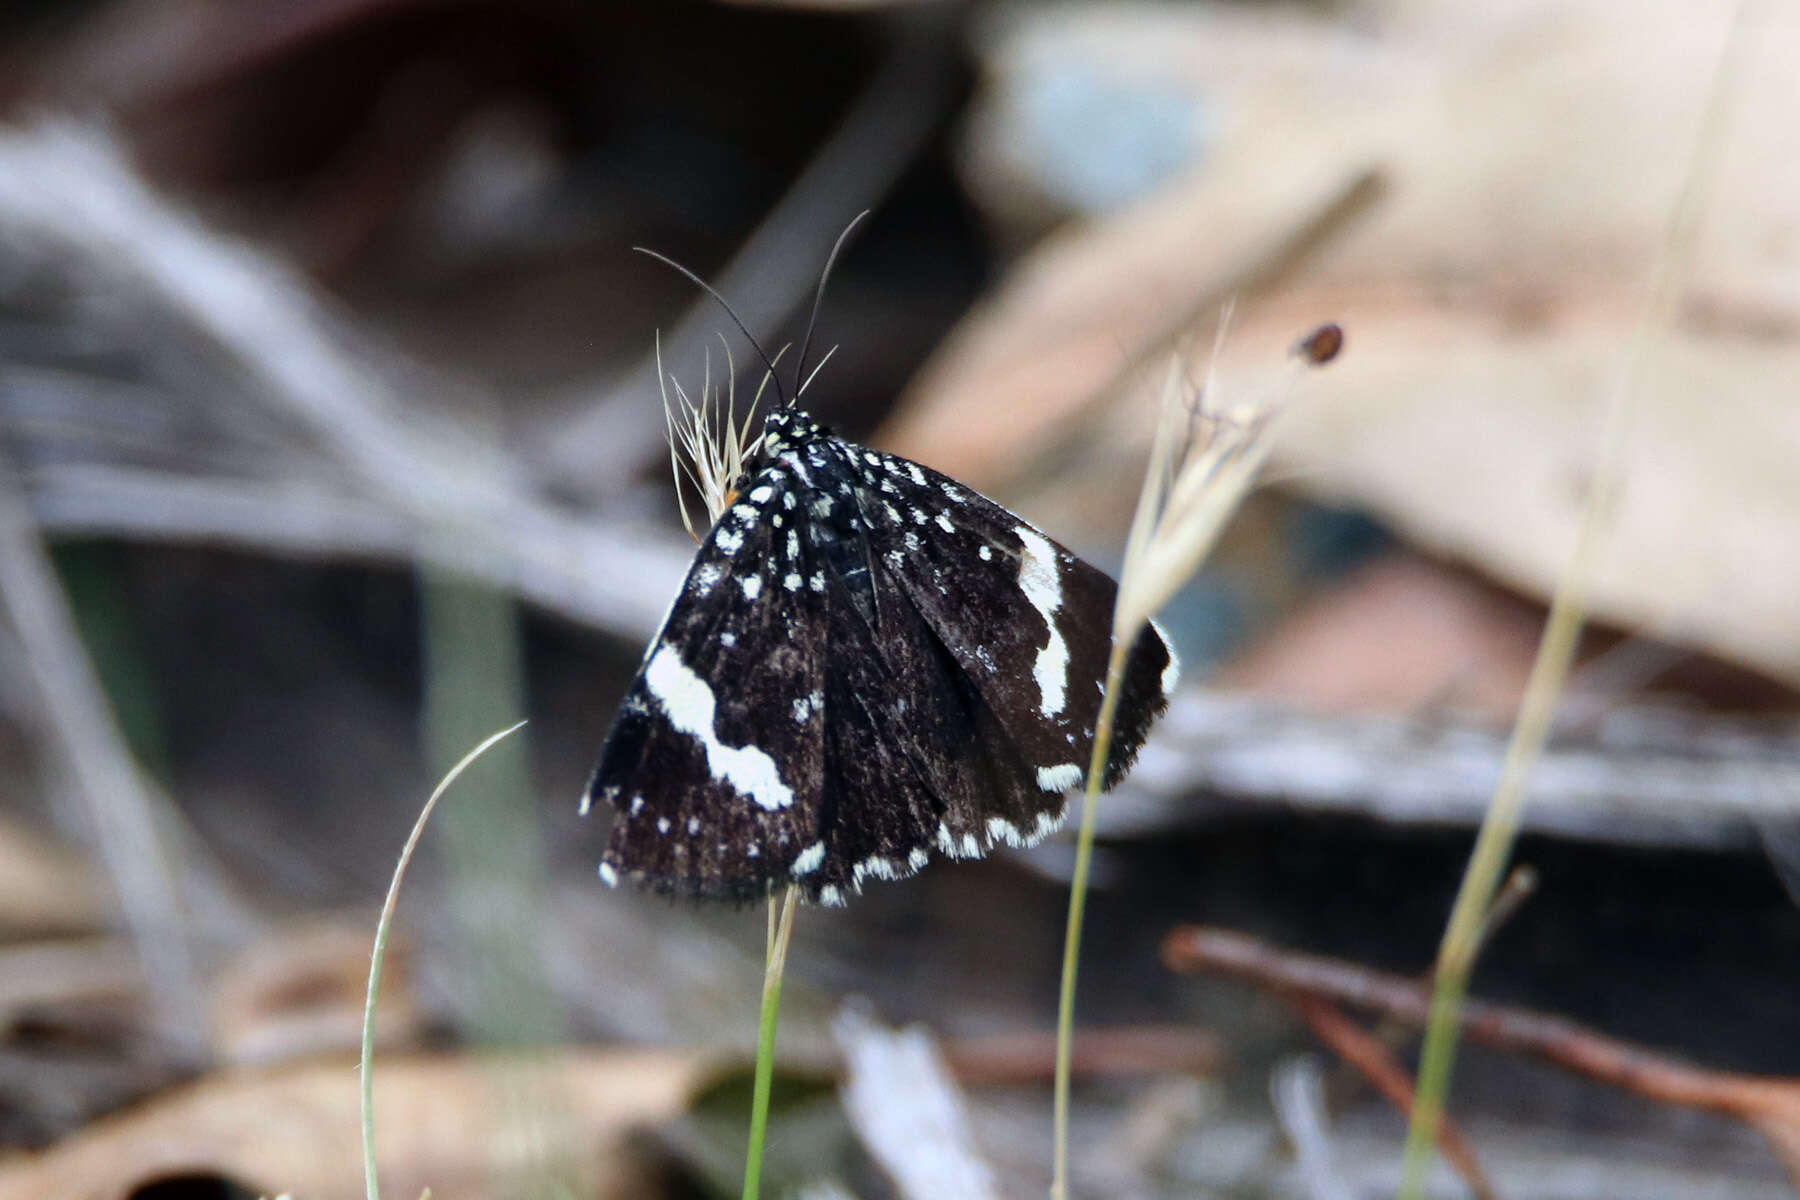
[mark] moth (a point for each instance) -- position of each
(867, 664)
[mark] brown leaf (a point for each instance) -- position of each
(299, 993)
(44, 889)
(441, 1122)
(1489, 294)
(1398, 635)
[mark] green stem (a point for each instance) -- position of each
(776, 963)
(1084, 854)
(1562, 632)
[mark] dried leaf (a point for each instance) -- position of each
(1399, 635)
(299, 993)
(1489, 293)
(45, 889)
(297, 1129)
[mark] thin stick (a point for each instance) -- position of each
(1376, 1063)
(780, 932)
(383, 928)
(1556, 652)
(1639, 1069)
(1084, 855)
(127, 828)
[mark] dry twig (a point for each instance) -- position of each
(359, 472)
(1376, 1063)
(1769, 1103)
(121, 809)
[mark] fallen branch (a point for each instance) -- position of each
(1375, 1062)
(1769, 1103)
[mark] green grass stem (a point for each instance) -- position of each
(1084, 856)
(780, 931)
(1556, 651)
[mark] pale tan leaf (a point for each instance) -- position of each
(297, 1129)
(1489, 292)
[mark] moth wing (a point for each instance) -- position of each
(914, 757)
(1028, 621)
(715, 762)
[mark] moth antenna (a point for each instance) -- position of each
(763, 383)
(730, 396)
(819, 298)
(713, 292)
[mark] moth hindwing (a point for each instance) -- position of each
(867, 663)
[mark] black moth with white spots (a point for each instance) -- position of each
(867, 663)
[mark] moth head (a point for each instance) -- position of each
(785, 429)
(776, 429)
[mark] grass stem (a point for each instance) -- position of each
(383, 930)
(1084, 855)
(780, 931)
(1556, 651)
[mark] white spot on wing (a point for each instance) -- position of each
(752, 585)
(792, 581)
(662, 824)
(1058, 778)
(986, 554)
(810, 859)
(706, 576)
(608, 876)
(689, 704)
(1171, 674)
(943, 520)
(918, 476)
(728, 541)
(728, 638)
(1042, 585)
(761, 495)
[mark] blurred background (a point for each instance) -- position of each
(331, 441)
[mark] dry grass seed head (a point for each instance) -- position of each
(1203, 461)
(707, 443)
